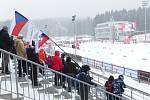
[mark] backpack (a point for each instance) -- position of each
(78, 76)
(109, 86)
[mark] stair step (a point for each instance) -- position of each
(9, 96)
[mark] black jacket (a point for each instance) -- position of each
(70, 68)
(6, 42)
(83, 88)
(32, 55)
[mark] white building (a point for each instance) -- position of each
(114, 29)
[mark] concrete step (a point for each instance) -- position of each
(9, 96)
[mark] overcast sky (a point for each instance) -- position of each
(34, 9)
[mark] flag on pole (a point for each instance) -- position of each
(44, 38)
(33, 33)
(17, 24)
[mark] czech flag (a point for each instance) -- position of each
(44, 38)
(18, 23)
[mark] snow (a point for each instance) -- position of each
(132, 56)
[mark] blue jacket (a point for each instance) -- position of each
(118, 86)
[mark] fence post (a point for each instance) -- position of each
(112, 68)
(124, 70)
(87, 61)
(94, 63)
(16, 79)
(131, 94)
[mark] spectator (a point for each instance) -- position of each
(63, 61)
(49, 61)
(13, 49)
(85, 77)
(69, 69)
(118, 86)
(63, 58)
(21, 51)
(109, 88)
(58, 66)
(33, 56)
(42, 59)
(6, 43)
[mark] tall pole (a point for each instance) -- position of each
(145, 24)
(73, 20)
(145, 4)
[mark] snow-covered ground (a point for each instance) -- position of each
(133, 56)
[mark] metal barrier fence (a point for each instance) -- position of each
(130, 92)
(23, 87)
(135, 74)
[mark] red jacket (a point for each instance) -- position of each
(42, 56)
(57, 62)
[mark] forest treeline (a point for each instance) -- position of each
(65, 26)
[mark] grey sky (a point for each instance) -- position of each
(34, 9)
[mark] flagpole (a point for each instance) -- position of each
(73, 20)
(63, 51)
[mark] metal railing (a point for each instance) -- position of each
(130, 91)
(134, 74)
(22, 88)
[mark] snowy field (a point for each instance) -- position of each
(133, 56)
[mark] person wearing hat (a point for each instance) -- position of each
(70, 70)
(58, 66)
(21, 51)
(6, 43)
(84, 76)
(33, 56)
(118, 86)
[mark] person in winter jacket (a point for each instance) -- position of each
(42, 56)
(42, 59)
(6, 43)
(58, 66)
(49, 61)
(21, 51)
(63, 58)
(33, 56)
(71, 70)
(85, 77)
(109, 88)
(118, 86)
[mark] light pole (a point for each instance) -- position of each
(144, 5)
(73, 20)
